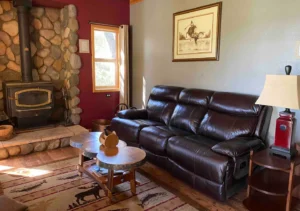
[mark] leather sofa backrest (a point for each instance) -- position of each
(219, 115)
(162, 102)
(191, 108)
(230, 115)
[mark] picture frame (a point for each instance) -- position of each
(196, 34)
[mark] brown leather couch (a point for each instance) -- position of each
(202, 137)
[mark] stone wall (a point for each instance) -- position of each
(41, 140)
(54, 38)
(72, 62)
(26, 149)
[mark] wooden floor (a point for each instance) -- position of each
(156, 174)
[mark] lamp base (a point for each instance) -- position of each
(283, 152)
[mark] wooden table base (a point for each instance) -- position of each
(80, 163)
(107, 183)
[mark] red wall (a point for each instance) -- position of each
(116, 12)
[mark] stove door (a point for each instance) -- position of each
(33, 98)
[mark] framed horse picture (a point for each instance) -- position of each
(197, 34)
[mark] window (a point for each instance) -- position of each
(105, 58)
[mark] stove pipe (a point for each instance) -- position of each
(23, 7)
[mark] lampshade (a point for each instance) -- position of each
(281, 91)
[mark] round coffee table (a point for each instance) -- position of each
(126, 159)
(118, 164)
(89, 146)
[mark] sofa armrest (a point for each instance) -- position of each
(238, 146)
(133, 114)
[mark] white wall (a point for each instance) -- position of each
(258, 37)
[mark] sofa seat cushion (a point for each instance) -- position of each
(155, 138)
(175, 131)
(128, 130)
(194, 154)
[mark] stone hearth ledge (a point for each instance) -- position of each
(41, 140)
(43, 135)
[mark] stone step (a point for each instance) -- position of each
(41, 140)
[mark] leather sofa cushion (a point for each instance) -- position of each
(174, 131)
(191, 109)
(230, 115)
(194, 154)
(223, 126)
(128, 130)
(204, 140)
(165, 93)
(133, 114)
(200, 97)
(235, 104)
(238, 146)
(162, 102)
(187, 117)
(154, 139)
(160, 111)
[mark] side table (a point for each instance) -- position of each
(271, 188)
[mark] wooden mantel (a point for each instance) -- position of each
(135, 1)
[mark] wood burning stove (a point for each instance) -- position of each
(27, 103)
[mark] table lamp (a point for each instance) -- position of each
(283, 91)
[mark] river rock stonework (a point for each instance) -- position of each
(69, 23)
(54, 38)
(41, 140)
(26, 149)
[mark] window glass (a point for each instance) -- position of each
(105, 74)
(105, 45)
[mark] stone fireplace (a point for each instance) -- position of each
(37, 59)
